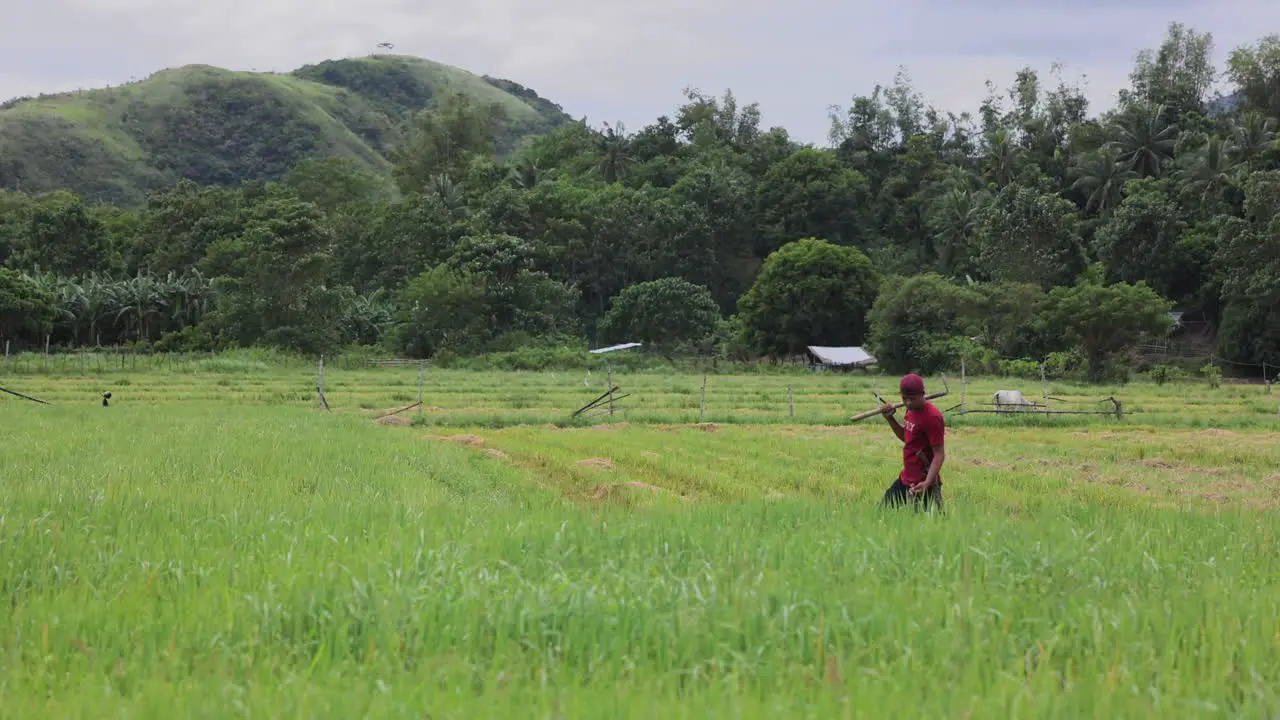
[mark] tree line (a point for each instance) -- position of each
(1031, 230)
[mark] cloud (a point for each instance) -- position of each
(629, 60)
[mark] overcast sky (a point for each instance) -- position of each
(628, 60)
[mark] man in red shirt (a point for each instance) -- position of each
(922, 451)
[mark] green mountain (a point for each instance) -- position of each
(223, 127)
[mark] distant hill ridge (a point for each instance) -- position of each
(224, 127)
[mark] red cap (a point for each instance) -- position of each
(912, 384)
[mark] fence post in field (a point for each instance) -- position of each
(1266, 380)
(609, 381)
(320, 387)
(422, 377)
(964, 385)
(6, 356)
(1045, 385)
(791, 402)
(702, 406)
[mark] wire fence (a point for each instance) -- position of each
(412, 391)
(1213, 370)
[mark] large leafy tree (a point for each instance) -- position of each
(1105, 319)
(915, 322)
(64, 237)
(272, 278)
(443, 143)
(486, 292)
(1177, 75)
(15, 218)
(25, 306)
(809, 195)
(1140, 239)
(1248, 258)
(1030, 234)
(1255, 70)
(810, 292)
(665, 313)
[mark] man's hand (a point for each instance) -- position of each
(888, 410)
(939, 454)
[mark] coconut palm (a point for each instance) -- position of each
(448, 191)
(1002, 160)
(953, 220)
(1253, 136)
(1101, 176)
(613, 147)
(1144, 139)
(1211, 169)
(525, 174)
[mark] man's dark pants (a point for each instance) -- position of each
(897, 495)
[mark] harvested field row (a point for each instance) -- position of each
(456, 398)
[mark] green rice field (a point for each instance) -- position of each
(216, 544)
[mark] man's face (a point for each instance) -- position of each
(913, 401)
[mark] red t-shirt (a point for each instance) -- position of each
(924, 429)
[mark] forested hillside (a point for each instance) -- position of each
(1037, 230)
(222, 128)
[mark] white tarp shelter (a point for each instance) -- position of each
(842, 356)
(614, 348)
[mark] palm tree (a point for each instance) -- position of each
(1002, 160)
(613, 148)
(1101, 175)
(1144, 139)
(525, 174)
(1252, 137)
(953, 219)
(448, 191)
(1211, 169)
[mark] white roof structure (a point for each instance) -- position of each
(614, 348)
(851, 356)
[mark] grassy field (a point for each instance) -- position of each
(214, 544)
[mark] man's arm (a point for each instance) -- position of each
(898, 430)
(935, 467)
(936, 431)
